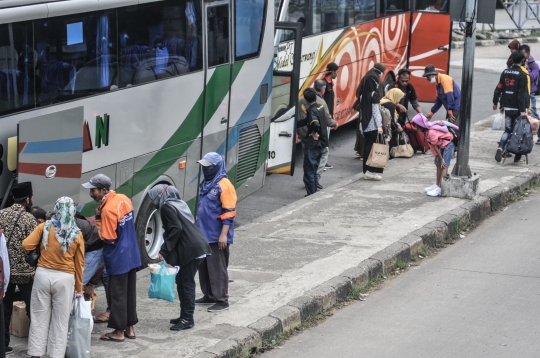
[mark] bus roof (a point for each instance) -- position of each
(24, 10)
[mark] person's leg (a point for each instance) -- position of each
(41, 313)
(92, 261)
(533, 107)
(131, 301)
(118, 285)
(204, 280)
(439, 176)
(62, 287)
(219, 276)
(186, 289)
(307, 167)
(2, 332)
(368, 144)
(8, 310)
(322, 164)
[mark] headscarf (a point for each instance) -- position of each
(371, 72)
(393, 96)
(370, 95)
(63, 223)
(163, 194)
(213, 173)
(423, 122)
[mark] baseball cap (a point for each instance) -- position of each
(100, 181)
(210, 159)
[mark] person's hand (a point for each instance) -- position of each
(315, 135)
(494, 107)
(335, 126)
(451, 118)
(222, 242)
(401, 108)
(379, 130)
(523, 114)
(529, 111)
(501, 110)
(160, 258)
(443, 164)
(98, 210)
(78, 294)
(399, 129)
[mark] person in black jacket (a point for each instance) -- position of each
(513, 93)
(184, 246)
(315, 140)
(404, 84)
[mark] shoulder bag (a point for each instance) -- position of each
(404, 150)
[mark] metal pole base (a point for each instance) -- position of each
(462, 171)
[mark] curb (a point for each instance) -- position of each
(484, 43)
(325, 296)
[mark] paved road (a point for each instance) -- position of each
(281, 190)
(477, 298)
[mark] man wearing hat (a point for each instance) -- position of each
(215, 215)
(448, 94)
(17, 223)
(116, 227)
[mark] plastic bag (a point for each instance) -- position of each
(498, 123)
(79, 329)
(162, 283)
(534, 124)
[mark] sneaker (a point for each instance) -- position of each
(218, 307)
(319, 186)
(175, 320)
(183, 324)
(498, 155)
(372, 176)
(430, 188)
(9, 350)
(328, 166)
(434, 192)
(204, 301)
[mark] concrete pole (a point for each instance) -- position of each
(462, 168)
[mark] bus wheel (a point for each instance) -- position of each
(149, 232)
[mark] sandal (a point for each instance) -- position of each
(108, 337)
(102, 318)
(128, 336)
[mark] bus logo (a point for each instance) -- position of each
(50, 172)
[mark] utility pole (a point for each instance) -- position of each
(462, 169)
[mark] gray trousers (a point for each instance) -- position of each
(324, 158)
(213, 275)
(52, 296)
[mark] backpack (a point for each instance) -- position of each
(386, 119)
(521, 139)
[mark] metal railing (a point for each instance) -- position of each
(521, 11)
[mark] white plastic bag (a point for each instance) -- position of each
(498, 123)
(79, 329)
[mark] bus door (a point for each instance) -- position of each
(50, 155)
(218, 76)
(285, 87)
(430, 36)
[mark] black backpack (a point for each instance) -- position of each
(521, 140)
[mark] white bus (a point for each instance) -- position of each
(136, 89)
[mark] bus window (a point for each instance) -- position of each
(432, 5)
(249, 24)
(364, 10)
(17, 62)
(75, 56)
(308, 13)
(158, 40)
(218, 35)
(276, 9)
(387, 7)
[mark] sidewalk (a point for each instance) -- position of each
(303, 258)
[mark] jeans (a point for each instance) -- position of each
(185, 285)
(312, 159)
(533, 107)
(92, 261)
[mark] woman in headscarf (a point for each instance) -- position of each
(371, 124)
(184, 245)
(59, 273)
(377, 71)
(389, 102)
(217, 209)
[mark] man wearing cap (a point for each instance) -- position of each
(17, 223)
(404, 84)
(448, 94)
(116, 227)
(215, 215)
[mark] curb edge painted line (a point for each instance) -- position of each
(335, 290)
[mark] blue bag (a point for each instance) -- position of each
(162, 284)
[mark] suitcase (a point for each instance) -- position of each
(416, 138)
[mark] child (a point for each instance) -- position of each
(440, 143)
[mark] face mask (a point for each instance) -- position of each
(433, 80)
(210, 172)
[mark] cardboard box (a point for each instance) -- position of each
(20, 324)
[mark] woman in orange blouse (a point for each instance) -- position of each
(58, 275)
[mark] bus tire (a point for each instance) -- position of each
(149, 232)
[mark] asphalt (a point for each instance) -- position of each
(476, 298)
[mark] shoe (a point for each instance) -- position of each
(175, 320)
(508, 155)
(430, 188)
(204, 301)
(434, 192)
(218, 307)
(498, 155)
(372, 176)
(183, 324)
(319, 186)
(328, 166)
(9, 350)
